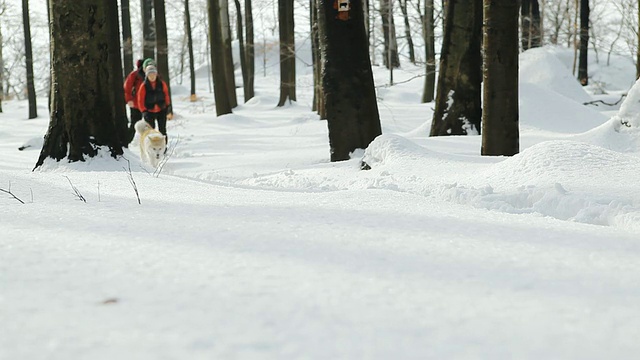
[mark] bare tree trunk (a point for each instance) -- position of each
(88, 111)
(458, 99)
(390, 54)
(127, 41)
(223, 103)
(287, 52)
(500, 133)
(583, 75)
(430, 52)
(318, 94)
(407, 31)
(243, 58)
(1, 65)
(162, 44)
(249, 51)
(187, 28)
(352, 115)
(148, 30)
(226, 50)
(31, 90)
(530, 24)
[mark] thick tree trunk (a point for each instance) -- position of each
(390, 53)
(127, 41)
(162, 47)
(148, 30)
(530, 24)
(31, 89)
(430, 52)
(352, 115)
(407, 31)
(87, 109)
(458, 107)
(249, 51)
(192, 70)
(583, 75)
(500, 133)
(287, 52)
(223, 104)
(243, 58)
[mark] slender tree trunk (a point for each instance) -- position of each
(148, 29)
(127, 41)
(458, 99)
(226, 50)
(249, 51)
(500, 133)
(352, 115)
(531, 24)
(287, 52)
(187, 28)
(31, 89)
(583, 75)
(430, 52)
(223, 103)
(243, 61)
(390, 54)
(318, 95)
(407, 31)
(88, 111)
(162, 47)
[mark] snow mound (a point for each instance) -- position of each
(541, 67)
(550, 111)
(622, 131)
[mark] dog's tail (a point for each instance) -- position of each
(142, 126)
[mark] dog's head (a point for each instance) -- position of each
(156, 145)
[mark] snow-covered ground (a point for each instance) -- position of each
(250, 244)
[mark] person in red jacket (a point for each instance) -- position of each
(131, 85)
(153, 100)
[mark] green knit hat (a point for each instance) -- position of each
(147, 62)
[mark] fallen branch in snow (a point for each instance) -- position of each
(8, 191)
(166, 158)
(606, 103)
(76, 191)
(131, 180)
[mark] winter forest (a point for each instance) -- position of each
(345, 179)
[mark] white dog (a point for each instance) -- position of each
(152, 143)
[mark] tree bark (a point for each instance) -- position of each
(162, 47)
(243, 58)
(148, 30)
(250, 51)
(316, 55)
(287, 52)
(31, 89)
(228, 56)
(458, 107)
(530, 24)
(407, 31)
(192, 70)
(500, 133)
(583, 75)
(430, 52)
(87, 109)
(390, 53)
(127, 41)
(223, 104)
(347, 80)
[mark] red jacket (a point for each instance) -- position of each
(131, 85)
(142, 94)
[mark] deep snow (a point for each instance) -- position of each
(250, 244)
